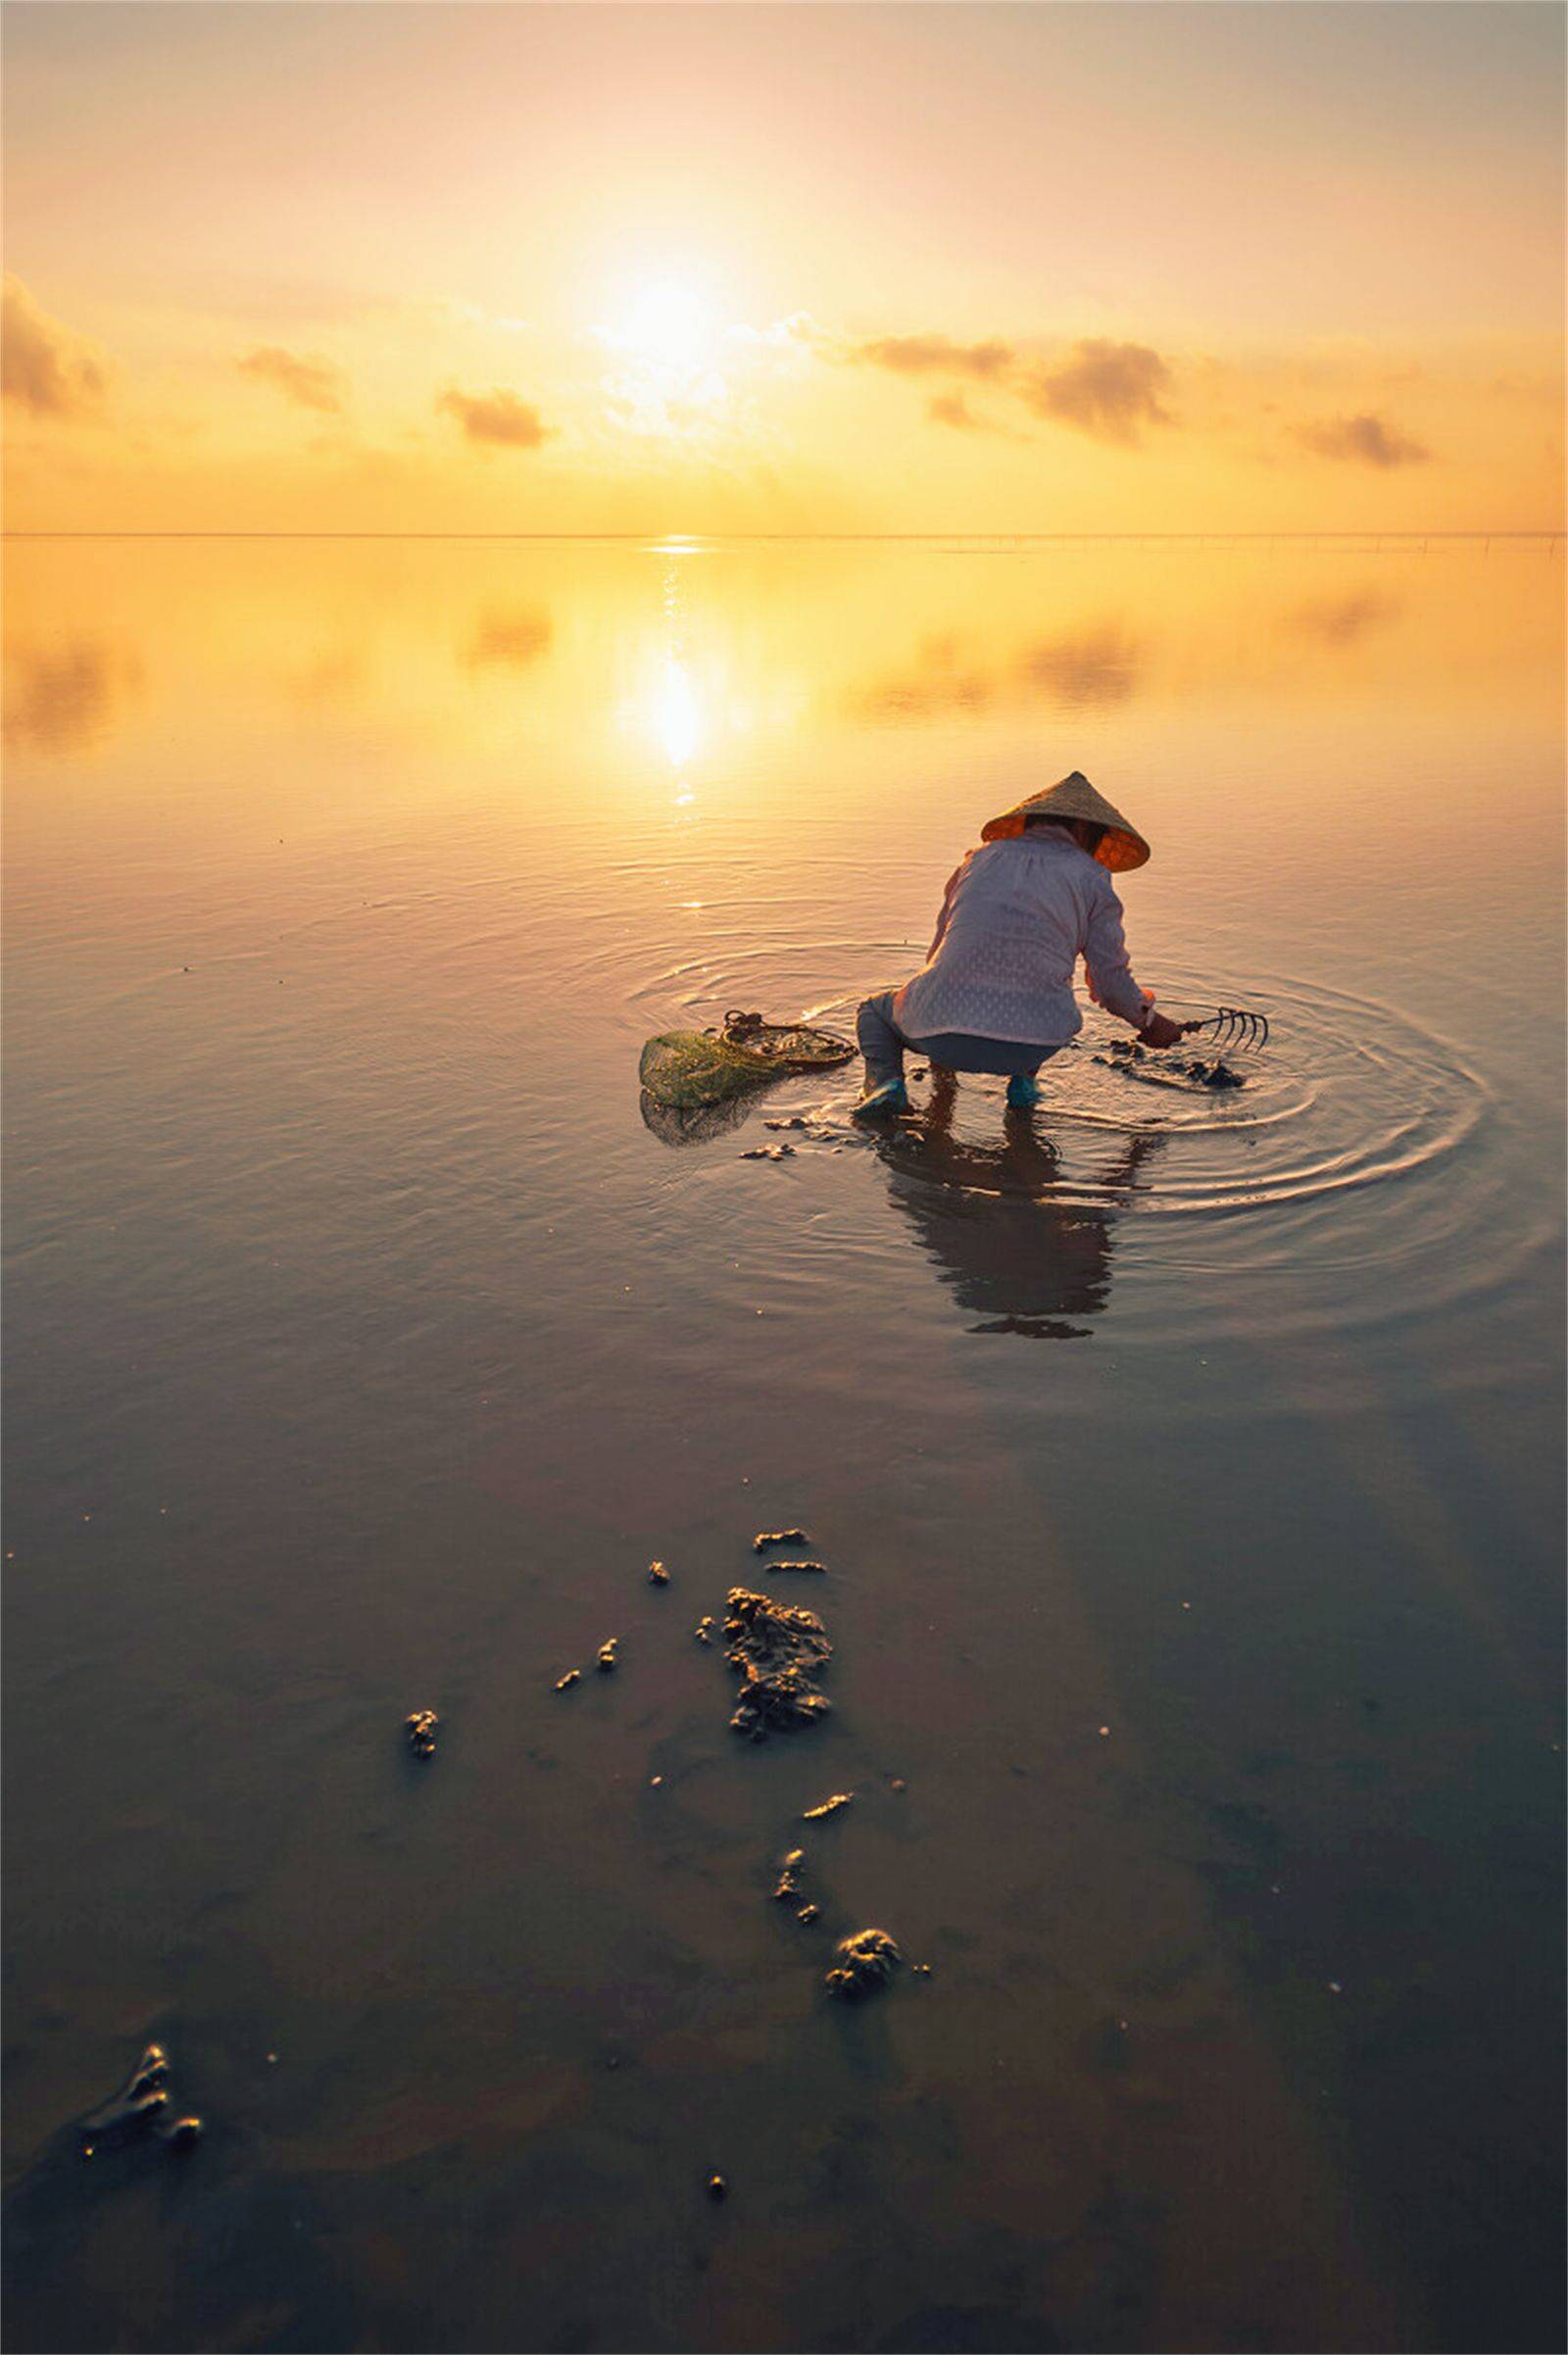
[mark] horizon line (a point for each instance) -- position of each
(697, 539)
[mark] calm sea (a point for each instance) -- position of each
(1187, 1468)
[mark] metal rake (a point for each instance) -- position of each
(1234, 1029)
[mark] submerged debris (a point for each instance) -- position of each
(818, 1568)
(605, 1658)
(564, 1683)
(657, 1575)
(139, 2107)
(420, 1730)
(778, 1537)
(807, 1913)
(704, 1630)
(717, 2188)
(1126, 1053)
(840, 1799)
(795, 1120)
(778, 1652)
(863, 1964)
(768, 1152)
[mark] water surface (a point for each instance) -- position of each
(1187, 1469)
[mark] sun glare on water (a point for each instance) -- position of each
(676, 719)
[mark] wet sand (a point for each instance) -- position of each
(1185, 1474)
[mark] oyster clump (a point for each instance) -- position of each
(789, 1883)
(863, 1964)
(778, 1652)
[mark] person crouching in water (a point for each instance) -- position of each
(996, 991)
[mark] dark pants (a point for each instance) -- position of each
(884, 1046)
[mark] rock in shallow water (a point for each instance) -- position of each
(863, 1964)
(789, 1885)
(778, 1652)
(139, 2107)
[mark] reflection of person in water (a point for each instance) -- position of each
(996, 993)
(991, 1218)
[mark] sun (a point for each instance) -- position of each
(669, 324)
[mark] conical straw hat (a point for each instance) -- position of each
(1122, 847)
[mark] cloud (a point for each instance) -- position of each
(945, 677)
(1087, 670)
(312, 383)
(1362, 440)
(1091, 667)
(927, 355)
(1111, 390)
(1341, 620)
(47, 368)
(508, 640)
(59, 699)
(497, 418)
(951, 409)
(799, 333)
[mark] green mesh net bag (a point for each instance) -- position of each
(687, 1068)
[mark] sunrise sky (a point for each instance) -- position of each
(660, 269)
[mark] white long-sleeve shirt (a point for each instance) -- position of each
(1015, 919)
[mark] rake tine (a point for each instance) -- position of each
(1235, 1028)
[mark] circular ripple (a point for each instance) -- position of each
(1351, 1094)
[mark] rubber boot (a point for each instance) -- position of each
(890, 1097)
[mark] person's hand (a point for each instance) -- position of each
(1158, 1031)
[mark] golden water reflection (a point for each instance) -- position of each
(800, 636)
(765, 687)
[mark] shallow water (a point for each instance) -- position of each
(1186, 1468)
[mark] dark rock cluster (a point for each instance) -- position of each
(778, 1652)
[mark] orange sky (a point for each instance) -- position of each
(508, 268)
